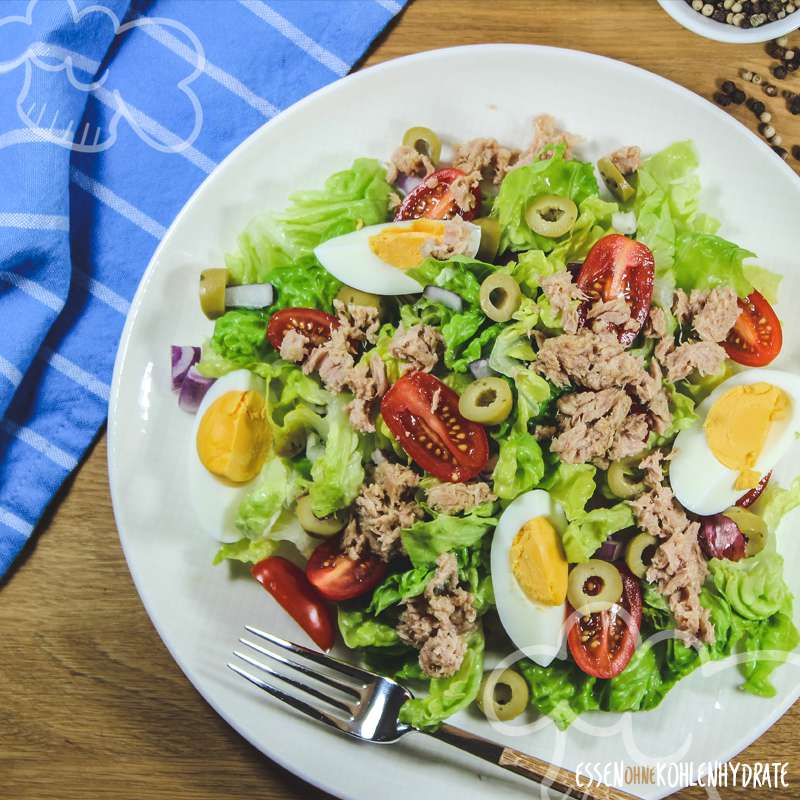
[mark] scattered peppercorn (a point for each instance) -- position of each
(758, 108)
(744, 13)
(779, 72)
(770, 90)
(722, 99)
(728, 87)
(794, 105)
(765, 117)
(781, 151)
(766, 130)
(796, 152)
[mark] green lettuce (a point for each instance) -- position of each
(446, 696)
(512, 349)
(519, 467)
(238, 342)
(703, 261)
(249, 551)
(349, 199)
(458, 274)
(766, 646)
(338, 473)
(594, 222)
(776, 501)
(572, 485)
(359, 629)
(304, 283)
(560, 691)
(586, 532)
(533, 265)
(555, 175)
(639, 686)
(399, 587)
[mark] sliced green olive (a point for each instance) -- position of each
(212, 291)
(639, 553)
(487, 400)
(425, 141)
(490, 237)
(350, 296)
(551, 215)
(503, 695)
(321, 526)
(616, 182)
(593, 586)
(500, 297)
(619, 480)
(291, 441)
(752, 527)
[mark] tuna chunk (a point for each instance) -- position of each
(564, 297)
(486, 158)
(383, 508)
(455, 498)
(605, 315)
(418, 347)
(462, 191)
(717, 313)
(455, 241)
(369, 383)
(294, 346)
(546, 132)
(435, 622)
(627, 159)
(705, 357)
(408, 161)
(678, 568)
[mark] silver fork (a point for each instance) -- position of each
(368, 705)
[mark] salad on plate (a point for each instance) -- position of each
(489, 399)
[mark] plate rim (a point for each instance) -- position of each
(743, 741)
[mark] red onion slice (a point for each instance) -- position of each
(480, 368)
(193, 390)
(183, 358)
(444, 296)
(720, 537)
(610, 550)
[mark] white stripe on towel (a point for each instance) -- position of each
(33, 289)
(10, 371)
(35, 440)
(34, 222)
(11, 520)
(105, 294)
(77, 374)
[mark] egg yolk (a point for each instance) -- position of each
(402, 247)
(233, 437)
(538, 562)
(738, 424)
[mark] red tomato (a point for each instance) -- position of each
(756, 337)
(746, 500)
(313, 324)
(603, 643)
(437, 202)
(289, 586)
(338, 577)
(443, 442)
(617, 266)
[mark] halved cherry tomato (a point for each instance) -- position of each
(620, 267)
(338, 577)
(442, 442)
(288, 584)
(437, 202)
(756, 338)
(602, 643)
(746, 500)
(315, 325)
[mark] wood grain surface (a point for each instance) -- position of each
(91, 704)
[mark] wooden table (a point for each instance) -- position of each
(91, 704)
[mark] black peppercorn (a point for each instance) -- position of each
(722, 99)
(794, 105)
(758, 108)
(781, 151)
(792, 66)
(729, 87)
(750, 103)
(738, 96)
(796, 151)
(779, 72)
(770, 90)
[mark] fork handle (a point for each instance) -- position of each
(530, 767)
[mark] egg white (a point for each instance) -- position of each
(700, 482)
(216, 501)
(536, 629)
(350, 259)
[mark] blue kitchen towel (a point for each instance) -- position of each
(112, 112)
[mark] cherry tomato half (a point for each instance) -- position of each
(746, 500)
(756, 338)
(288, 584)
(443, 442)
(315, 325)
(602, 643)
(437, 202)
(338, 577)
(617, 266)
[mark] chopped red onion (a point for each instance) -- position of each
(253, 295)
(444, 296)
(193, 390)
(182, 359)
(720, 537)
(610, 550)
(480, 368)
(407, 183)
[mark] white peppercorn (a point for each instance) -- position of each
(782, 41)
(767, 131)
(707, 10)
(746, 75)
(756, 79)
(697, 5)
(736, 8)
(777, 139)
(765, 117)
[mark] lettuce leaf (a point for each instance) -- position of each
(399, 587)
(639, 686)
(766, 646)
(586, 532)
(337, 475)
(249, 551)
(349, 199)
(304, 283)
(446, 696)
(458, 274)
(703, 261)
(775, 502)
(572, 485)
(512, 349)
(519, 467)
(359, 629)
(555, 175)
(239, 342)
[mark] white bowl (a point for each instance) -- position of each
(694, 21)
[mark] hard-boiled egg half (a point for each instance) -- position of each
(744, 427)
(529, 574)
(375, 258)
(230, 444)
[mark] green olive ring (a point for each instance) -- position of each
(487, 400)
(639, 553)
(500, 297)
(490, 238)
(212, 291)
(551, 215)
(616, 182)
(503, 696)
(321, 526)
(431, 144)
(619, 484)
(753, 528)
(594, 585)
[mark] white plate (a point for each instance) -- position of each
(199, 610)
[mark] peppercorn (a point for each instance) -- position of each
(757, 79)
(729, 87)
(796, 151)
(758, 108)
(775, 50)
(782, 41)
(781, 151)
(794, 105)
(770, 90)
(779, 72)
(738, 96)
(776, 139)
(792, 66)
(722, 99)
(746, 75)
(697, 5)
(789, 55)
(765, 117)
(766, 130)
